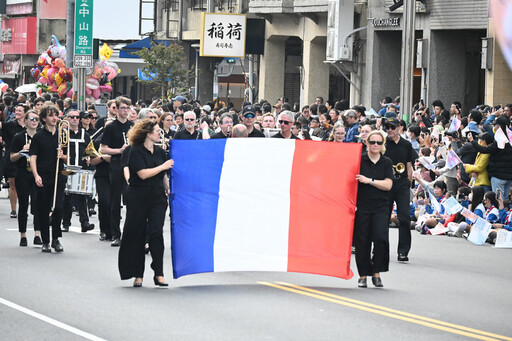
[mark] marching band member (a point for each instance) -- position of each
(9, 129)
(78, 141)
(114, 143)
(146, 204)
(44, 153)
(24, 180)
(102, 178)
(402, 155)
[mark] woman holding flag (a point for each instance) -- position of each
(146, 203)
(371, 221)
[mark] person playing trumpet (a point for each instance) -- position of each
(402, 155)
(46, 161)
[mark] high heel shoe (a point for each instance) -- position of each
(160, 284)
(137, 284)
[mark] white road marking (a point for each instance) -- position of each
(51, 321)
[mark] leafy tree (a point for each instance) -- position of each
(167, 68)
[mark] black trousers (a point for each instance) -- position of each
(400, 193)
(44, 204)
(103, 189)
(117, 186)
(145, 212)
(371, 227)
(26, 190)
(81, 205)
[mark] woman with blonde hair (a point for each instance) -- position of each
(146, 203)
(371, 221)
(338, 133)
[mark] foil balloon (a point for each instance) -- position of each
(105, 52)
(58, 79)
(60, 63)
(104, 78)
(92, 83)
(105, 88)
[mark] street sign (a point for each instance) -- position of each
(83, 34)
(223, 35)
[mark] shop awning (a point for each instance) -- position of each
(127, 51)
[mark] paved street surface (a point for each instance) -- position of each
(450, 290)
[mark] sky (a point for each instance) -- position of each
(116, 19)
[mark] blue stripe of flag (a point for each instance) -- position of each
(195, 181)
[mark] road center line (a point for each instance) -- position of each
(51, 321)
(431, 323)
(394, 311)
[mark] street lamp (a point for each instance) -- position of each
(196, 81)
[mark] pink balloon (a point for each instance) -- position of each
(88, 91)
(105, 88)
(92, 83)
(60, 63)
(96, 93)
(42, 80)
(70, 93)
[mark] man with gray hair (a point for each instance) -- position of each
(240, 130)
(226, 125)
(190, 132)
(286, 119)
(353, 131)
(147, 112)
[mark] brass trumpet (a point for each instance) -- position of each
(399, 168)
(63, 138)
(90, 151)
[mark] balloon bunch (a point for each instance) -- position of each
(99, 77)
(51, 72)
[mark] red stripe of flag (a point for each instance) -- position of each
(323, 195)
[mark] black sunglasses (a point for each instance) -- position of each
(73, 116)
(190, 119)
(33, 119)
(284, 122)
(380, 143)
(390, 127)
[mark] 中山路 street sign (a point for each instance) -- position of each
(83, 33)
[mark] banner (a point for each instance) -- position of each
(263, 205)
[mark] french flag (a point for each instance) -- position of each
(263, 205)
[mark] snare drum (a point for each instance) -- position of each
(82, 182)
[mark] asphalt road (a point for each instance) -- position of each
(450, 290)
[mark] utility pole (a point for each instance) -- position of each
(70, 36)
(407, 68)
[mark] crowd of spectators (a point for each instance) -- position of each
(480, 138)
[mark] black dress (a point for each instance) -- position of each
(146, 204)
